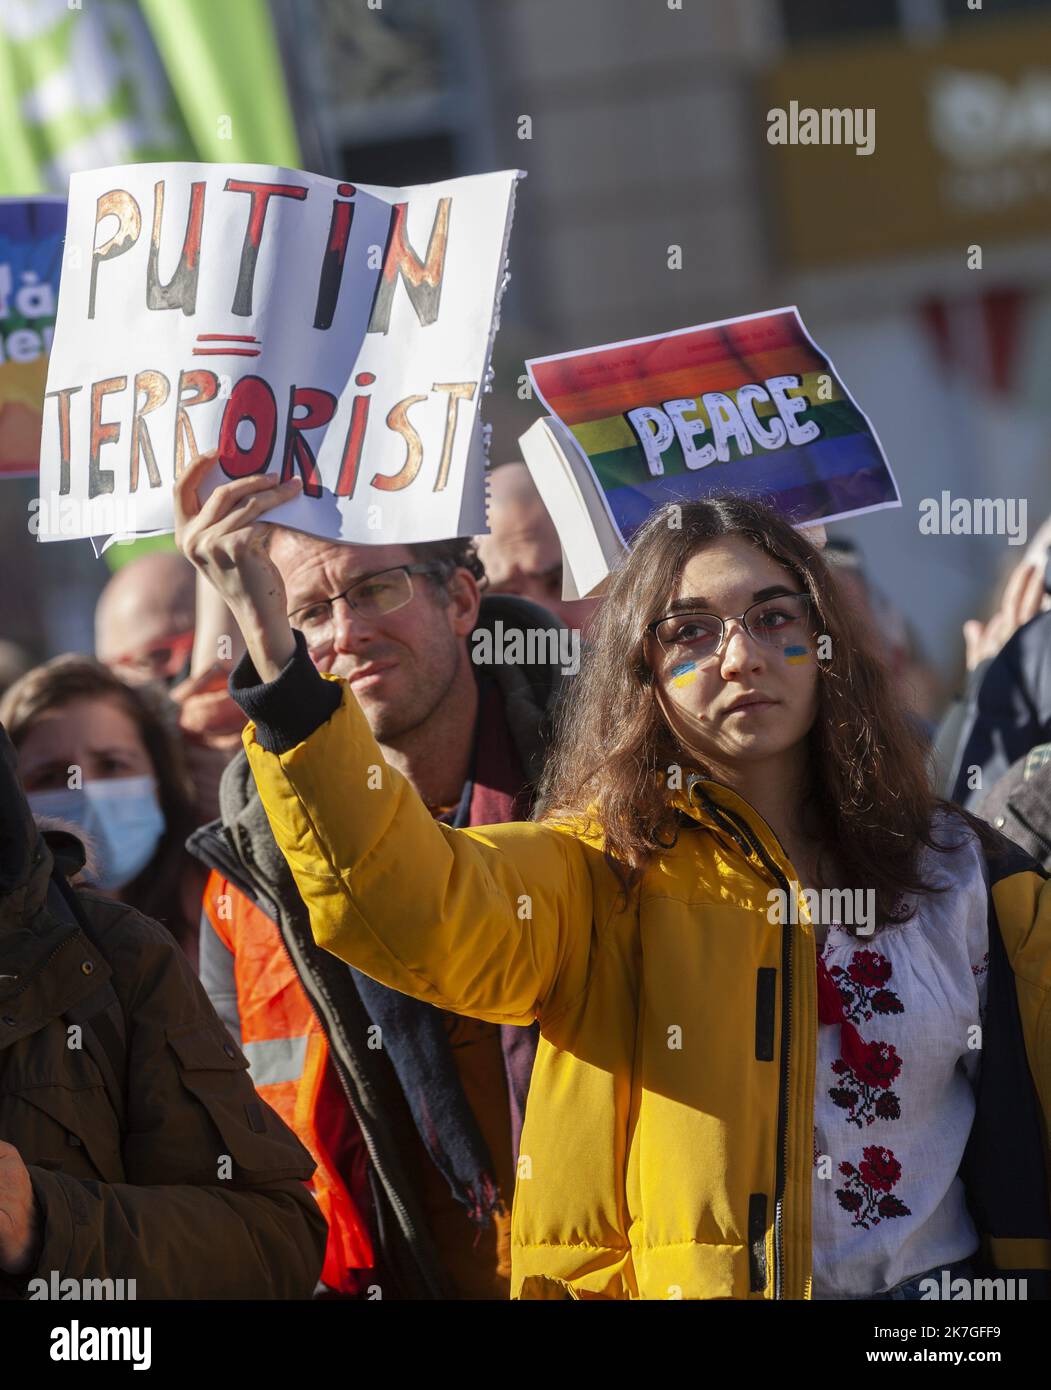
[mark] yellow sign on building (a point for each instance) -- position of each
(889, 150)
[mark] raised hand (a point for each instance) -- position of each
(1021, 602)
(225, 540)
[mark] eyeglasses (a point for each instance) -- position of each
(159, 661)
(372, 596)
(775, 622)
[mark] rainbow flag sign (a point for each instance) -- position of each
(749, 405)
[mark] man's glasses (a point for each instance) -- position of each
(775, 622)
(159, 661)
(372, 596)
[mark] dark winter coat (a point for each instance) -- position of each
(150, 1154)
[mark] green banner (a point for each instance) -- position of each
(131, 81)
(225, 69)
(104, 82)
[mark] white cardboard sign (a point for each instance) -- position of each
(299, 324)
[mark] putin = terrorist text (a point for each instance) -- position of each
(251, 399)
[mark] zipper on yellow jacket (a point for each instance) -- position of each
(791, 1230)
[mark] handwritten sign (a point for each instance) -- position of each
(31, 232)
(749, 405)
(300, 325)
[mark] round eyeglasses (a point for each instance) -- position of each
(782, 621)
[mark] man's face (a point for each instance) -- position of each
(400, 665)
(144, 630)
(522, 554)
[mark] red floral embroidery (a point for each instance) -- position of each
(879, 1168)
(866, 1092)
(862, 986)
(869, 968)
(867, 1192)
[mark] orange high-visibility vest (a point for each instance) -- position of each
(288, 1055)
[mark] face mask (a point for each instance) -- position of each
(122, 818)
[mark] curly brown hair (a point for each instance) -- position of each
(869, 795)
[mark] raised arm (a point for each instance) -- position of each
(493, 922)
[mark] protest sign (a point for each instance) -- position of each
(31, 232)
(748, 405)
(301, 325)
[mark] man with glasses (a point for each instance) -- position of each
(412, 1113)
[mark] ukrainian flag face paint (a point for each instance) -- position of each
(746, 700)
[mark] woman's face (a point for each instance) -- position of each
(749, 701)
(93, 734)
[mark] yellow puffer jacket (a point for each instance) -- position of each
(668, 1142)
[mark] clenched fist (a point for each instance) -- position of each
(19, 1215)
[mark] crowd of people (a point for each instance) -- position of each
(327, 899)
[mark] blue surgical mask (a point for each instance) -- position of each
(122, 818)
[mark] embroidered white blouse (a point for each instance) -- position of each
(888, 1144)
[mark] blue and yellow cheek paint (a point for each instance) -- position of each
(683, 674)
(795, 656)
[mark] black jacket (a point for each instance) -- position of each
(1005, 712)
(1019, 804)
